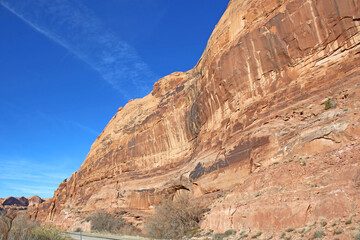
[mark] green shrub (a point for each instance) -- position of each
(243, 234)
(318, 233)
(230, 232)
(302, 162)
(195, 232)
(348, 221)
(357, 236)
(220, 236)
(329, 104)
(258, 234)
(323, 221)
(337, 231)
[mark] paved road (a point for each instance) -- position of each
(85, 236)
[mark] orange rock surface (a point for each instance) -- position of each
(265, 128)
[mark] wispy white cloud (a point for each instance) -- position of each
(72, 123)
(27, 190)
(73, 26)
(85, 128)
(19, 168)
(21, 110)
(27, 177)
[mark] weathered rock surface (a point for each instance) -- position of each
(279, 81)
(35, 201)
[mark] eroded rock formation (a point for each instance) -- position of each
(279, 81)
(21, 203)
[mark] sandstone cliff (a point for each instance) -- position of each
(266, 127)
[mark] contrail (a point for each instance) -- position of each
(74, 27)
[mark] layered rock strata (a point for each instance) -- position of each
(278, 80)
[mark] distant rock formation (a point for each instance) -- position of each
(21, 203)
(34, 201)
(12, 201)
(265, 129)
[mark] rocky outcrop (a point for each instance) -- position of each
(35, 201)
(279, 81)
(21, 203)
(16, 201)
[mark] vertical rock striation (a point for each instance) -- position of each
(256, 98)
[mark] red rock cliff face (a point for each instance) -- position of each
(256, 98)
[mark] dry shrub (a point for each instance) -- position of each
(22, 228)
(17, 226)
(129, 229)
(6, 221)
(104, 222)
(173, 219)
(47, 233)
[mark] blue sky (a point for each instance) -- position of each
(67, 66)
